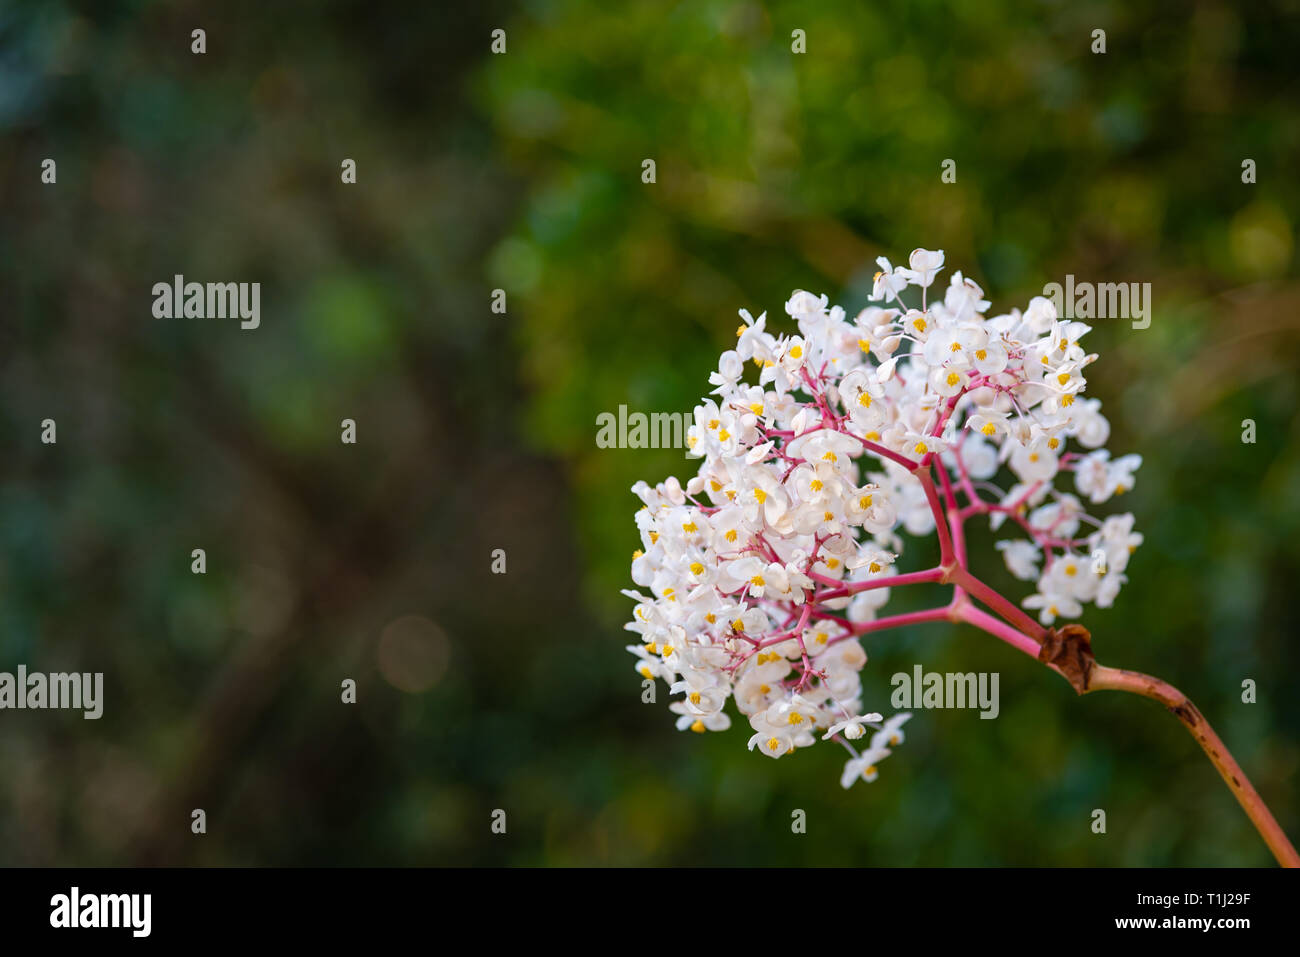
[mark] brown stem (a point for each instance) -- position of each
(1068, 651)
(1102, 678)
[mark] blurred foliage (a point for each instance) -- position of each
(523, 171)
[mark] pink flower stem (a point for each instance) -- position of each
(896, 621)
(977, 589)
(941, 526)
(877, 449)
(852, 588)
(948, 497)
(965, 611)
(958, 530)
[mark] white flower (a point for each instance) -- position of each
(917, 445)
(891, 734)
(772, 743)
(988, 422)
(689, 721)
(875, 560)
(889, 282)
(1098, 478)
(755, 578)
(1035, 462)
(852, 728)
(730, 368)
(804, 305)
(1053, 605)
(751, 337)
(1022, 557)
(863, 767)
(923, 263)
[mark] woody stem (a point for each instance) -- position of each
(1103, 678)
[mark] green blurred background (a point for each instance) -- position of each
(522, 171)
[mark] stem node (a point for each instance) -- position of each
(1069, 651)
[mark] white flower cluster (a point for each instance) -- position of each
(764, 569)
